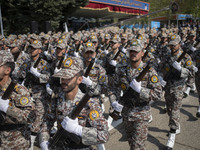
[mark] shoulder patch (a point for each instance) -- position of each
(24, 101)
(189, 63)
(123, 86)
(94, 114)
(154, 79)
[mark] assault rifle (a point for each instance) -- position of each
(130, 93)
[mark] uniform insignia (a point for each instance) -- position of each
(24, 101)
(124, 61)
(76, 103)
(134, 43)
(152, 50)
(60, 41)
(89, 44)
(68, 62)
(167, 69)
(16, 88)
(63, 37)
(189, 63)
(140, 37)
(35, 42)
(24, 65)
(44, 68)
(173, 37)
(102, 55)
(42, 62)
(94, 115)
(123, 86)
(154, 79)
(139, 69)
(102, 78)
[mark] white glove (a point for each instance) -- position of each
(162, 82)
(76, 54)
(136, 86)
(46, 53)
(87, 81)
(72, 126)
(35, 72)
(44, 145)
(118, 107)
(123, 50)
(158, 60)
(195, 68)
(106, 52)
(177, 65)
(56, 70)
(4, 104)
(182, 43)
(193, 49)
(49, 90)
(113, 63)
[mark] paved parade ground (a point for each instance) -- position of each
(188, 139)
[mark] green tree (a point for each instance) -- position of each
(17, 14)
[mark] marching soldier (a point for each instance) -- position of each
(135, 110)
(19, 108)
(91, 126)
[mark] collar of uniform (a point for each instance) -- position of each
(141, 65)
(6, 85)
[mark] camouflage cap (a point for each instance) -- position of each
(192, 33)
(89, 47)
(164, 35)
(70, 67)
(116, 39)
(124, 36)
(136, 45)
(36, 44)
(34, 36)
(61, 44)
(107, 36)
(174, 39)
(94, 39)
(5, 56)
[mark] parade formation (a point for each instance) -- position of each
(53, 85)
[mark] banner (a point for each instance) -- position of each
(125, 3)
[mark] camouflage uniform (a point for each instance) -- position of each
(95, 127)
(175, 84)
(14, 130)
(137, 113)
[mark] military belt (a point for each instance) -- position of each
(10, 127)
(136, 104)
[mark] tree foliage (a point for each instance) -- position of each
(17, 14)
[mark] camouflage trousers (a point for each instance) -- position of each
(197, 83)
(174, 102)
(137, 132)
(15, 139)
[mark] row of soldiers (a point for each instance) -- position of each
(132, 68)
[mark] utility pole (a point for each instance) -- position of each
(1, 22)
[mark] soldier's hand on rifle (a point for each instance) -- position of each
(162, 82)
(35, 72)
(46, 53)
(87, 81)
(76, 54)
(48, 89)
(195, 68)
(72, 126)
(118, 107)
(192, 49)
(123, 50)
(136, 86)
(44, 145)
(113, 63)
(56, 70)
(177, 65)
(4, 104)
(106, 51)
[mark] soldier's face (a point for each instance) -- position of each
(174, 48)
(4, 70)
(89, 55)
(95, 44)
(123, 41)
(35, 52)
(115, 45)
(69, 85)
(14, 50)
(135, 56)
(60, 52)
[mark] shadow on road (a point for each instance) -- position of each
(156, 142)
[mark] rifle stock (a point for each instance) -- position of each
(5, 96)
